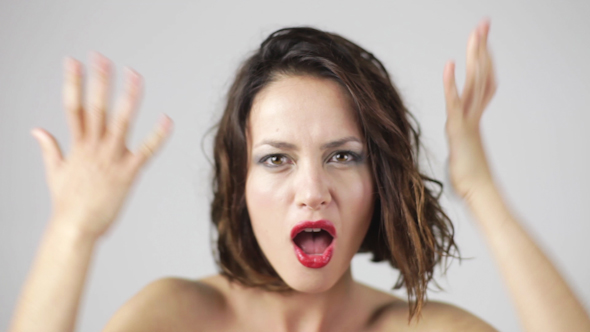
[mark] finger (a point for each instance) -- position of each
(483, 84)
(481, 71)
(471, 71)
(152, 144)
(450, 87)
(484, 54)
(72, 97)
(484, 29)
(491, 84)
(52, 155)
(125, 110)
(98, 97)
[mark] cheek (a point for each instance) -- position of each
(263, 193)
(266, 206)
(356, 203)
(356, 190)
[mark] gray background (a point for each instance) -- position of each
(535, 129)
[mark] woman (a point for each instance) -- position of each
(315, 160)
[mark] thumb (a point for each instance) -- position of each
(52, 155)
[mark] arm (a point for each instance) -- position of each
(51, 294)
(542, 298)
(87, 190)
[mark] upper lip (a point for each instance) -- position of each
(323, 224)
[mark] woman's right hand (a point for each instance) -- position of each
(88, 187)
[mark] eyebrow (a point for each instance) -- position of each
(290, 146)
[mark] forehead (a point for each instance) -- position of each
(303, 107)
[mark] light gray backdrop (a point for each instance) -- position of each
(535, 129)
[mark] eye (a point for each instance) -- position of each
(274, 160)
(344, 157)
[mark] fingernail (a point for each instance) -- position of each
(100, 61)
(163, 118)
(132, 76)
(165, 121)
(71, 65)
(36, 134)
(97, 56)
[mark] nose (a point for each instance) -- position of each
(312, 188)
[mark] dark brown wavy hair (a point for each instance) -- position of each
(409, 229)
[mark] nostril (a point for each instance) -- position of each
(312, 193)
(315, 206)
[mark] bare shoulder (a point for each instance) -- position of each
(436, 316)
(170, 304)
(452, 318)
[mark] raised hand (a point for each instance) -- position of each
(89, 187)
(468, 166)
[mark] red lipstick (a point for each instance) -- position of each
(314, 260)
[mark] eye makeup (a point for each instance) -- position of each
(353, 157)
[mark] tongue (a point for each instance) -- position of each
(313, 243)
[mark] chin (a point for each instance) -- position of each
(311, 281)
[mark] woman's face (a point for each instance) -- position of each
(307, 163)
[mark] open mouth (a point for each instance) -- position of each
(313, 242)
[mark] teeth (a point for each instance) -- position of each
(317, 229)
(309, 230)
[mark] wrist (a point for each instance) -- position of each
(67, 229)
(483, 191)
(487, 205)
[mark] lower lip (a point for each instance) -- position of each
(314, 261)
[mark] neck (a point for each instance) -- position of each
(296, 311)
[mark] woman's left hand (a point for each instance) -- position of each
(468, 166)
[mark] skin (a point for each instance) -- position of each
(328, 299)
(305, 181)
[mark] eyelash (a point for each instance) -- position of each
(354, 157)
